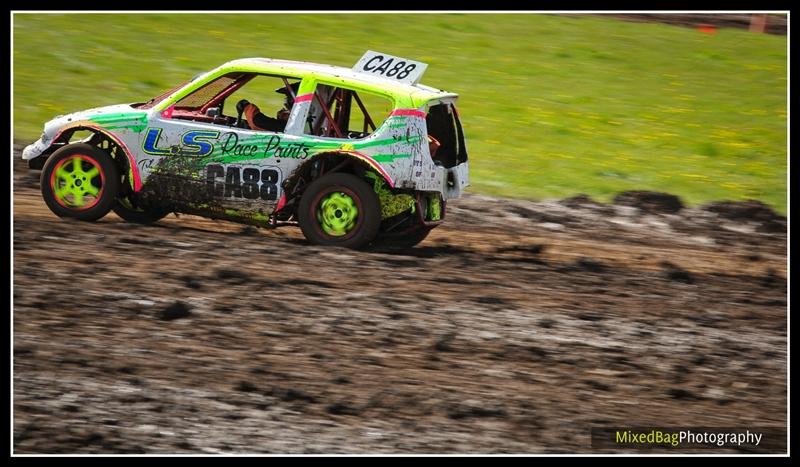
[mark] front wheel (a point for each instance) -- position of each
(80, 181)
(339, 209)
(125, 208)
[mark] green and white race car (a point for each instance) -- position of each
(355, 155)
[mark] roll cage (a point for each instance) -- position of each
(332, 118)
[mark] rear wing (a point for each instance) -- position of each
(384, 65)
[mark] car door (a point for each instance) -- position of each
(216, 164)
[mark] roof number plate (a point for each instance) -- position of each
(389, 66)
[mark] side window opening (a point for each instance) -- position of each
(346, 113)
(268, 93)
(445, 127)
(216, 102)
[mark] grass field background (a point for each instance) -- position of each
(552, 105)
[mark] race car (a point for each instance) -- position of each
(355, 155)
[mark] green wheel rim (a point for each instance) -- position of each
(77, 182)
(337, 214)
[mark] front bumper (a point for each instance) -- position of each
(35, 149)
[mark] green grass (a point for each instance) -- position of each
(552, 105)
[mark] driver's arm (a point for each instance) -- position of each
(259, 121)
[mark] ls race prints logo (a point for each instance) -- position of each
(193, 143)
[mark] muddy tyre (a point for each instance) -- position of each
(80, 181)
(411, 239)
(339, 209)
(402, 242)
(124, 208)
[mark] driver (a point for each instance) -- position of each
(258, 121)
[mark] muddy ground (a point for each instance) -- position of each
(514, 328)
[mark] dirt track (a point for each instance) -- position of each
(514, 328)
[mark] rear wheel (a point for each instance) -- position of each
(339, 209)
(412, 238)
(402, 241)
(80, 181)
(413, 230)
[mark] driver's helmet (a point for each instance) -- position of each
(284, 90)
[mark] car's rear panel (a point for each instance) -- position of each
(448, 147)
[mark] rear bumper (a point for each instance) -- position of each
(456, 180)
